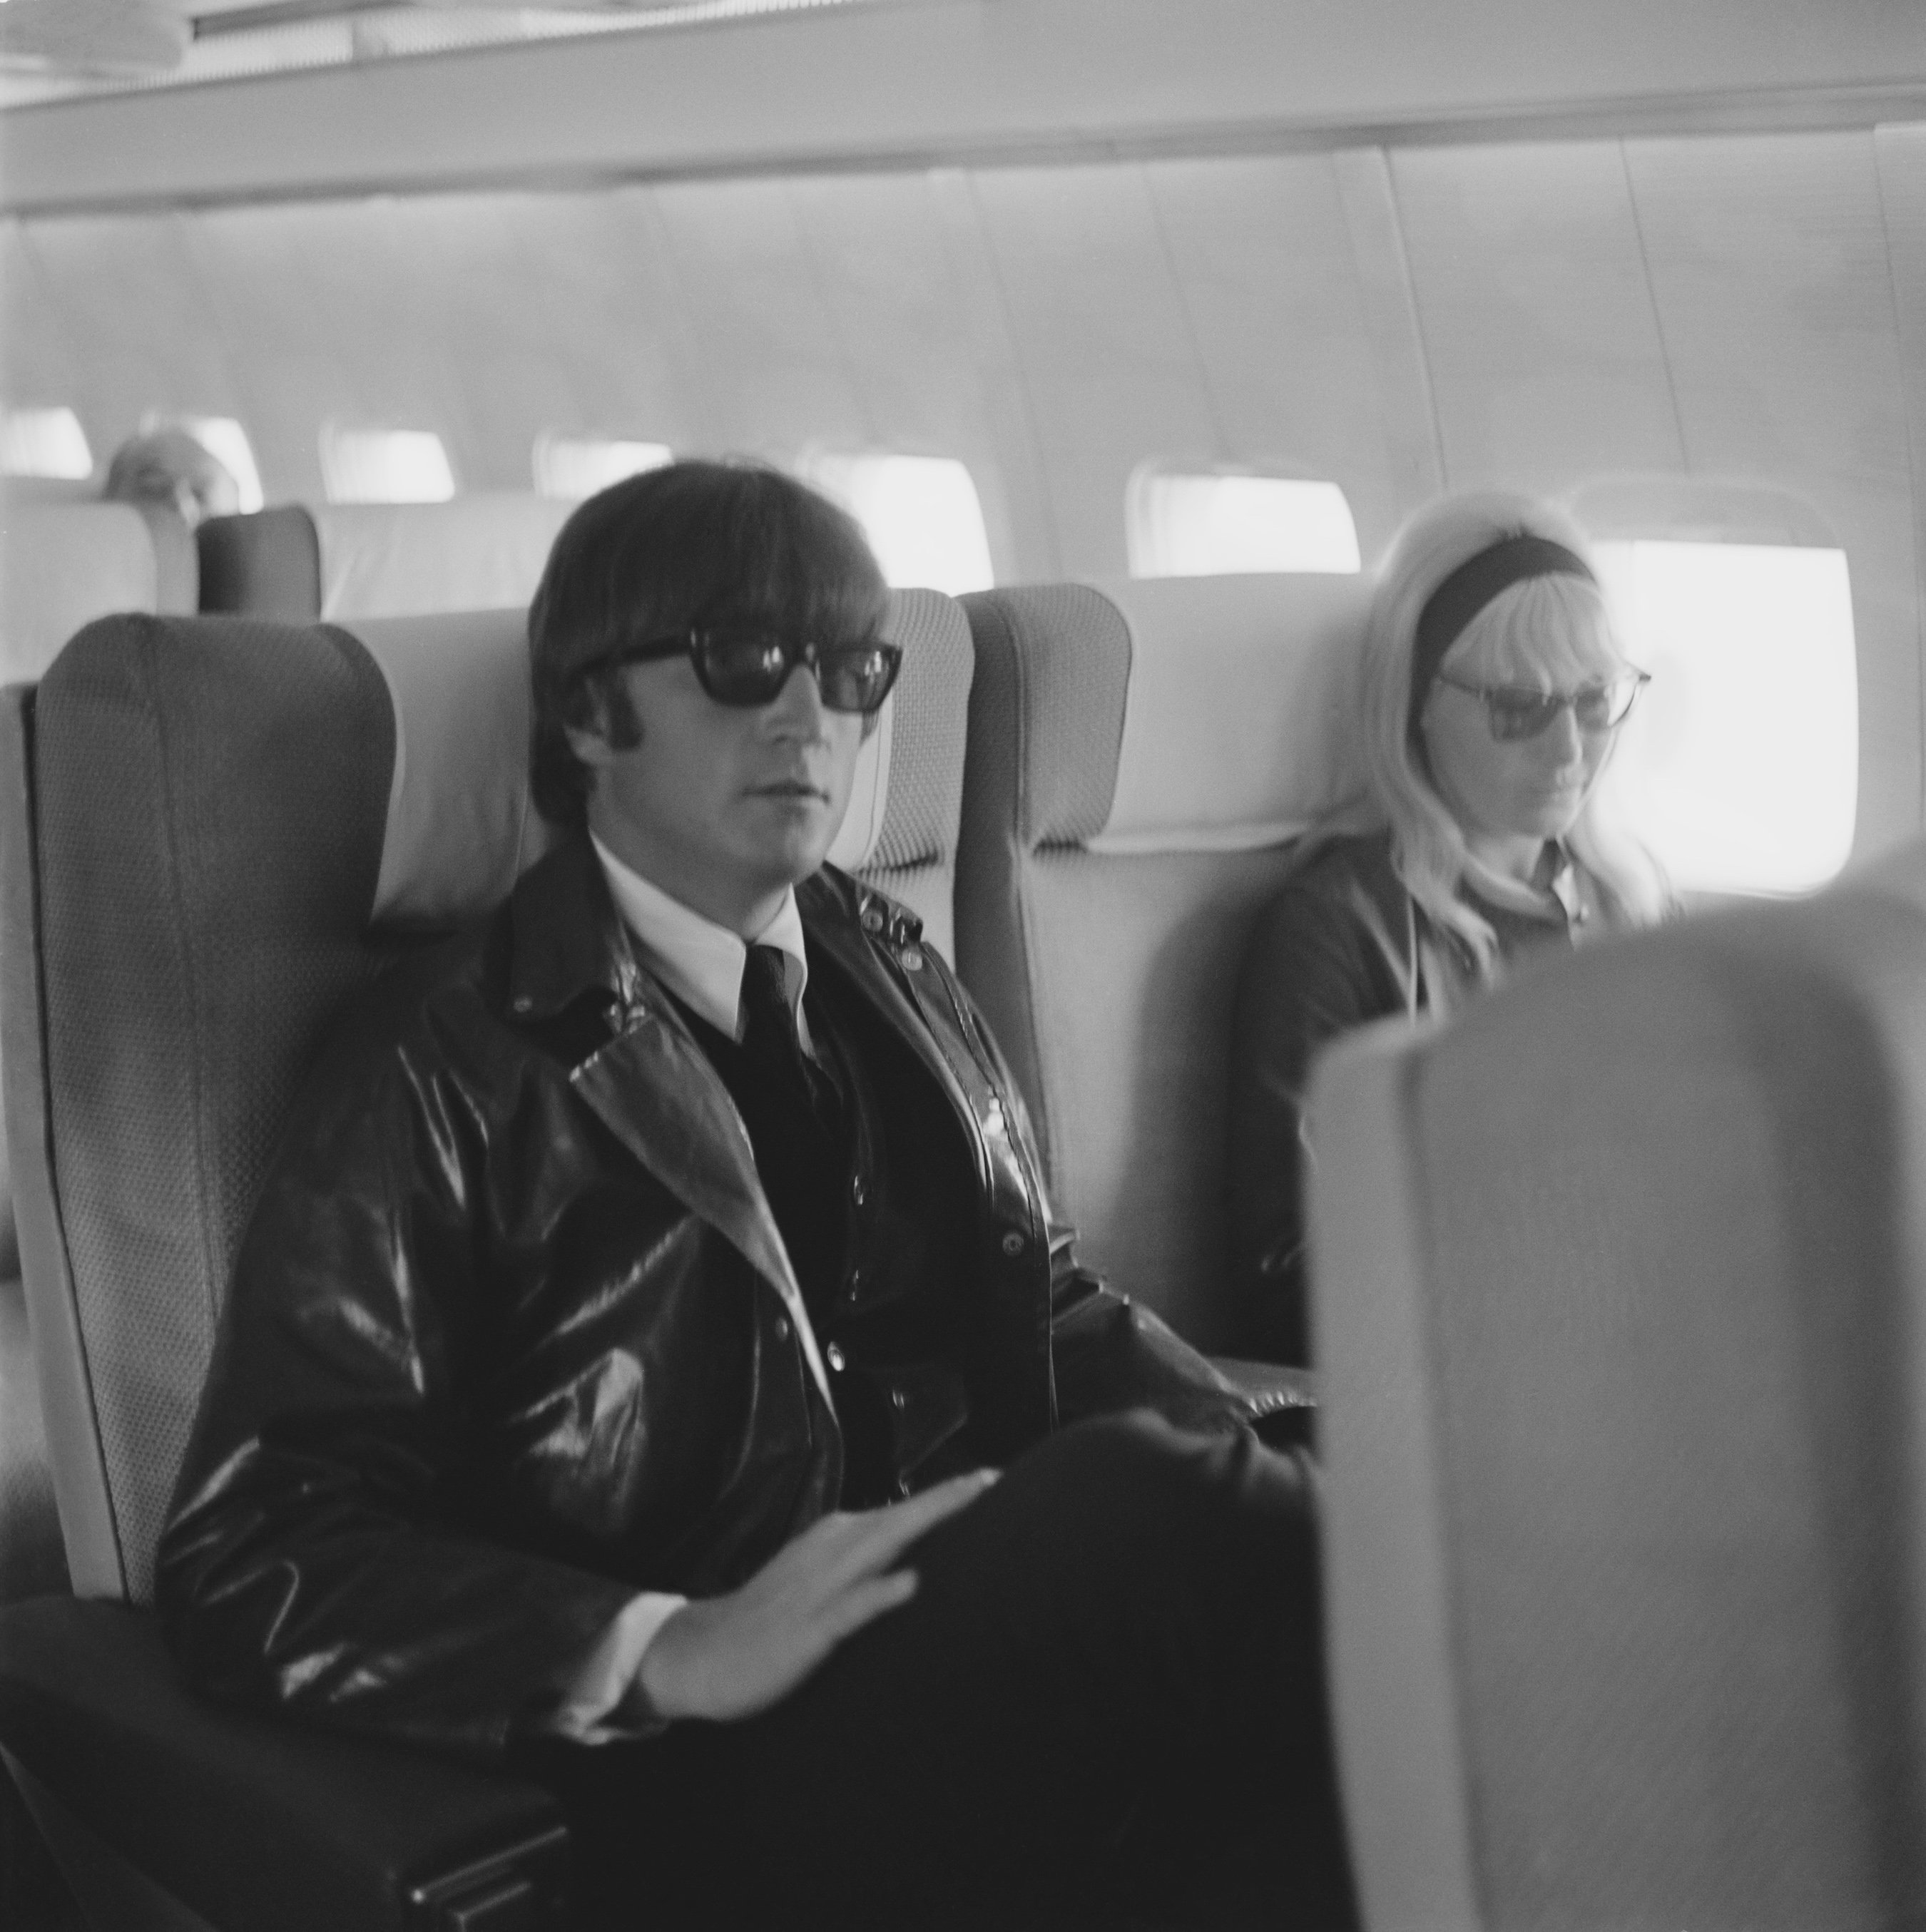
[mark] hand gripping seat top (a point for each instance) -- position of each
(345, 561)
(212, 832)
(1139, 754)
(1620, 1308)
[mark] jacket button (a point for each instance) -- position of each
(781, 1327)
(1013, 1244)
(836, 1359)
(858, 1192)
(523, 1003)
(912, 957)
(898, 1399)
(872, 918)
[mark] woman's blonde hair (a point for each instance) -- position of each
(1565, 615)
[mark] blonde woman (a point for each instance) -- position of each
(1492, 690)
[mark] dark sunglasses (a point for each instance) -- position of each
(1515, 711)
(748, 665)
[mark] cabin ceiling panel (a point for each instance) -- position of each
(1264, 258)
(39, 368)
(1900, 155)
(348, 330)
(755, 302)
(602, 292)
(132, 312)
(1413, 449)
(1775, 296)
(929, 355)
(1110, 362)
(1545, 357)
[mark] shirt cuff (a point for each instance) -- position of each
(590, 1713)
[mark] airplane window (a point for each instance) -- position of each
(577, 466)
(920, 513)
(223, 437)
(385, 465)
(1192, 525)
(44, 442)
(1740, 767)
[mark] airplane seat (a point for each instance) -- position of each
(65, 557)
(338, 562)
(1141, 753)
(1619, 1300)
(212, 832)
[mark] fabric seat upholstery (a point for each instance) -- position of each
(1139, 755)
(1619, 1299)
(345, 561)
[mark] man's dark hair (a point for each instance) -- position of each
(692, 544)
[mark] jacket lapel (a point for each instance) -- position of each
(835, 928)
(649, 1085)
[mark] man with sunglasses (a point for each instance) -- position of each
(631, 1329)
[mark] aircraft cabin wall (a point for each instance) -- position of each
(1742, 309)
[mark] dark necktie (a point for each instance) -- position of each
(769, 1036)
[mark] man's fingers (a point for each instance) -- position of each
(889, 1532)
(863, 1602)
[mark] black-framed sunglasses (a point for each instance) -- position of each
(1515, 711)
(747, 664)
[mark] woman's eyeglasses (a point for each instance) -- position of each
(748, 665)
(1515, 711)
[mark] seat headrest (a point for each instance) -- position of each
(461, 827)
(341, 562)
(1202, 714)
(64, 564)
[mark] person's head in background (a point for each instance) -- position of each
(170, 466)
(1493, 688)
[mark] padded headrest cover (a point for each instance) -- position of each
(462, 827)
(404, 559)
(1239, 718)
(64, 564)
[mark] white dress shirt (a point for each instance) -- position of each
(701, 964)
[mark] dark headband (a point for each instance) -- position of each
(1467, 590)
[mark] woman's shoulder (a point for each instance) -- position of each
(1339, 885)
(1334, 867)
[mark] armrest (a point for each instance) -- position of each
(1287, 1398)
(245, 1821)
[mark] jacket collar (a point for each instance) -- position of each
(565, 938)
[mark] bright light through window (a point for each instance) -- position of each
(44, 442)
(385, 465)
(573, 466)
(1209, 525)
(920, 513)
(224, 438)
(1740, 767)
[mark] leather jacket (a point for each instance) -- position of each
(512, 1334)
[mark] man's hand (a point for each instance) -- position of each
(732, 1656)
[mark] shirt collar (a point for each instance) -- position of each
(699, 962)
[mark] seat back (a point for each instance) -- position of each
(1619, 1300)
(63, 563)
(212, 831)
(1140, 754)
(345, 561)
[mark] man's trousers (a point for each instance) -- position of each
(1104, 1705)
